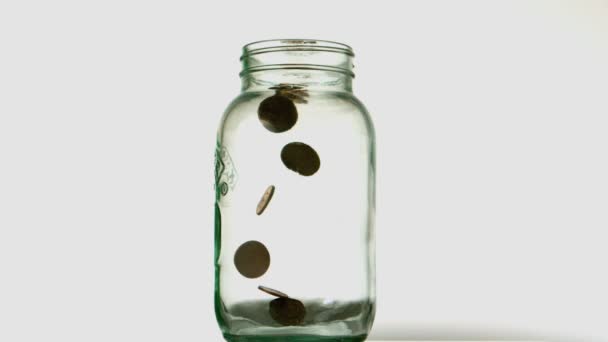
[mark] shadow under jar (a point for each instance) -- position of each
(295, 199)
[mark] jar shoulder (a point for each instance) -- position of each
(323, 106)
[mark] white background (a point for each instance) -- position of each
(492, 162)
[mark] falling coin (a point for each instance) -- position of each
(287, 311)
(277, 113)
(300, 158)
(295, 93)
(263, 203)
(252, 259)
(272, 292)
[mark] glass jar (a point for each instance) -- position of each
(295, 199)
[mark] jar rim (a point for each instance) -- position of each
(273, 45)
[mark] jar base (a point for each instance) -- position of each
(293, 338)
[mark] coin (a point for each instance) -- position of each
(252, 259)
(295, 93)
(272, 292)
(287, 311)
(277, 113)
(300, 158)
(263, 203)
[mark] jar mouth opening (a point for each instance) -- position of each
(303, 54)
(275, 45)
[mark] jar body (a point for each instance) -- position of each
(311, 231)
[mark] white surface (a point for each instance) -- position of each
(492, 144)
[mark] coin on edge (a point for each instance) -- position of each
(263, 203)
(272, 292)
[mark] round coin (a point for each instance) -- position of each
(300, 158)
(252, 259)
(277, 113)
(263, 203)
(287, 311)
(272, 292)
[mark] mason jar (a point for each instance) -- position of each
(295, 198)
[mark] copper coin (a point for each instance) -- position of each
(287, 311)
(272, 292)
(295, 93)
(277, 113)
(300, 158)
(252, 259)
(263, 203)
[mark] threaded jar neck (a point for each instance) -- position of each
(302, 62)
